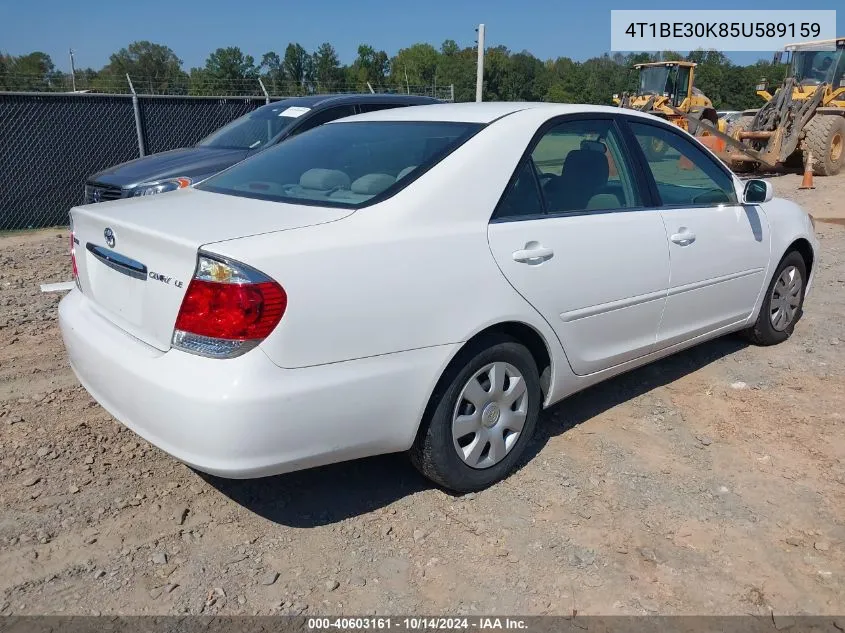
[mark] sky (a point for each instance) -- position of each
(194, 28)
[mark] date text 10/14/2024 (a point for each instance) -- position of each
(416, 623)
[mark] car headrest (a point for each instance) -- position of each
(372, 184)
(586, 167)
(594, 146)
(324, 179)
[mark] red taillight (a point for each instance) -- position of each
(228, 309)
(73, 257)
(231, 311)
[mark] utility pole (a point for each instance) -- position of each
(479, 76)
(72, 70)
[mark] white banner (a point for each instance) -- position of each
(681, 30)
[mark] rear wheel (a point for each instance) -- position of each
(481, 416)
(783, 303)
(825, 136)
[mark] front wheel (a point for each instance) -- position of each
(825, 135)
(783, 304)
(481, 417)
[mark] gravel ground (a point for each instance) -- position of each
(712, 482)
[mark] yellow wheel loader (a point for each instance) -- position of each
(666, 87)
(804, 119)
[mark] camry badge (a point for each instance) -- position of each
(109, 235)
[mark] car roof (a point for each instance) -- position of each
(325, 100)
(484, 112)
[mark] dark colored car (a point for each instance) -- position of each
(243, 137)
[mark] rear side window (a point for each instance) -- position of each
(582, 167)
(522, 197)
(685, 175)
(343, 164)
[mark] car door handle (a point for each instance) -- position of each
(533, 254)
(684, 237)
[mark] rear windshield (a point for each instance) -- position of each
(256, 129)
(343, 164)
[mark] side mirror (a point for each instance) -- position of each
(757, 192)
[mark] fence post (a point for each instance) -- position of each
(137, 110)
(452, 92)
(264, 90)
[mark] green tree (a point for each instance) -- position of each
(370, 66)
(326, 67)
(274, 71)
(528, 79)
(415, 66)
(565, 81)
(154, 68)
(230, 71)
(298, 68)
(456, 67)
(496, 74)
(34, 71)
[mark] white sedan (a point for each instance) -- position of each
(425, 279)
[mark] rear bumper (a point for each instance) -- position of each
(246, 417)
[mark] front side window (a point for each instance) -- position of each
(684, 174)
(582, 168)
(343, 164)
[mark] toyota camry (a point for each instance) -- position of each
(425, 279)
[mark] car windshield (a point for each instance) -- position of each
(343, 164)
(256, 129)
(653, 80)
(817, 67)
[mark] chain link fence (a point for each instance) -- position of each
(170, 122)
(51, 143)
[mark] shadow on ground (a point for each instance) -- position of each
(330, 494)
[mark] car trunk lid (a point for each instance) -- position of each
(136, 257)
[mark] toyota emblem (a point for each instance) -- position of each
(109, 235)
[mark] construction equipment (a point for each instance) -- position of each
(804, 120)
(664, 88)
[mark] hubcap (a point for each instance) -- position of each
(489, 415)
(785, 299)
(836, 148)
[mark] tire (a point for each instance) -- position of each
(825, 136)
(764, 332)
(743, 167)
(436, 451)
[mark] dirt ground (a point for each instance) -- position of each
(712, 482)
